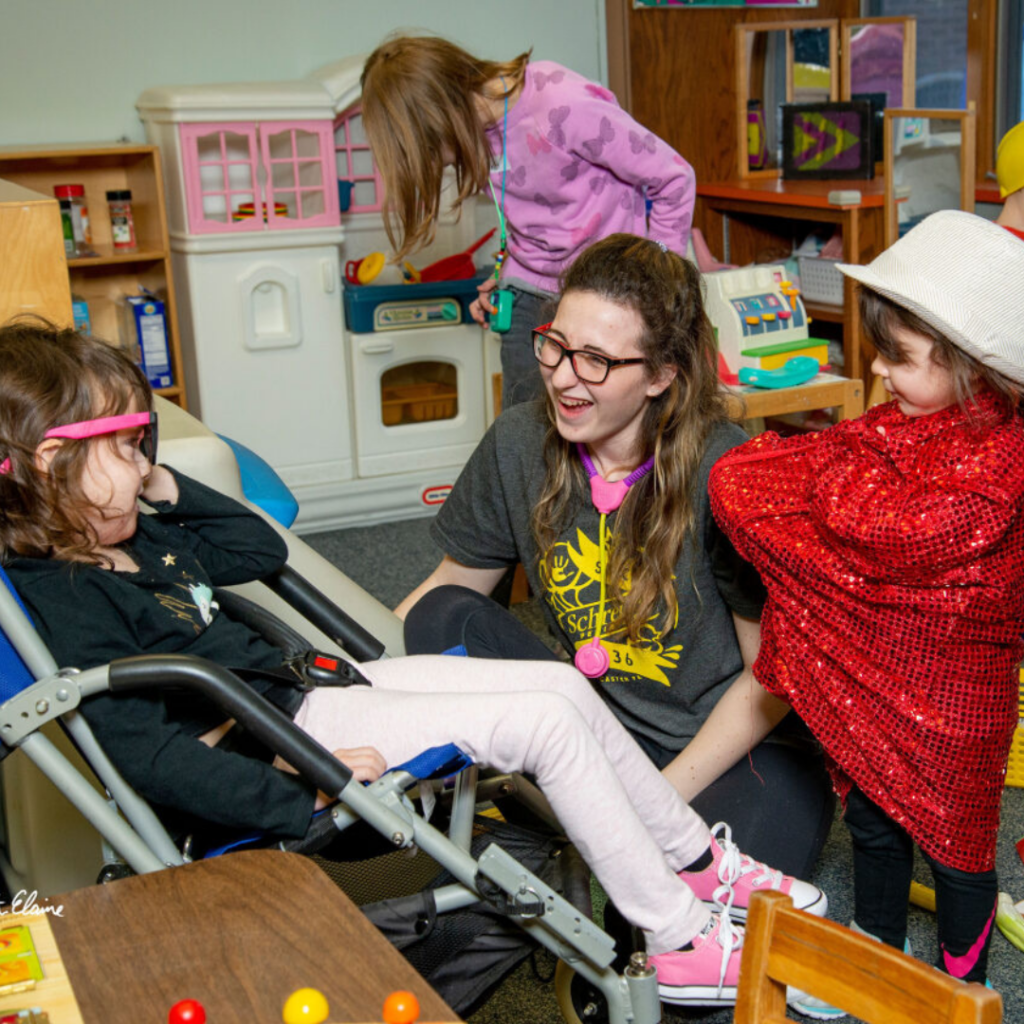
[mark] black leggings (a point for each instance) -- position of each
(883, 860)
(778, 801)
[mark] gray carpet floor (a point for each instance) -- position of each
(389, 560)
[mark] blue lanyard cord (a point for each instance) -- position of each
(504, 167)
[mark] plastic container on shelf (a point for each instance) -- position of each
(74, 196)
(122, 223)
(67, 228)
(821, 280)
(80, 313)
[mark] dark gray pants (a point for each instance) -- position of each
(520, 376)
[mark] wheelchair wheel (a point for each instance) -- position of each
(113, 872)
(579, 1001)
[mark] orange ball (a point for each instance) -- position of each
(401, 1008)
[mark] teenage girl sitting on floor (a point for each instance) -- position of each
(103, 582)
(633, 421)
(892, 547)
(563, 162)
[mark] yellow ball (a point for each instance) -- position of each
(305, 1006)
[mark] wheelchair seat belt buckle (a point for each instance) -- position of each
(318, 669)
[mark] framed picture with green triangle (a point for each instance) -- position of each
(827, 141)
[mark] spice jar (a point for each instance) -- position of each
(122, 225)
(74, 198)
(67, 229)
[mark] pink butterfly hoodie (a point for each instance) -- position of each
(580, 168)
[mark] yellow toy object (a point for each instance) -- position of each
(370, 266)
(410, 273)
(1015, 764)
(305, 1006)
(921, 896)
(1010, 920)
(1010, 161)
(365, 270)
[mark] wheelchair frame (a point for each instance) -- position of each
(137, 835)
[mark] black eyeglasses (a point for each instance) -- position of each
(590, 367)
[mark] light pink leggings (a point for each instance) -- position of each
(630, 825)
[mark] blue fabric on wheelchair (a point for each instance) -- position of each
(433, 763)
(14, 676)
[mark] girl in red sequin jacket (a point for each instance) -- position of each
(892, 548)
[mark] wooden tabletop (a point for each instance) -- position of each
(239, 933)
(825, 391)
(783, 192)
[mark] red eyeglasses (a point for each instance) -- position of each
(590, 367)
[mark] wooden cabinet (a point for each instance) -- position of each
(104, 279)
(33, 267)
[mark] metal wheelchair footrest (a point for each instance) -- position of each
(526, 896)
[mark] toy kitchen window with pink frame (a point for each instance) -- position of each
(359, 185)
(258, 176)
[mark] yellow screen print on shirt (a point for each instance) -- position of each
(573, 590)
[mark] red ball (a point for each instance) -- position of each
(188, 1011)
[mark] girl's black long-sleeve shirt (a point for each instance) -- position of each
(89, 616)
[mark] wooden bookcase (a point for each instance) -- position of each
(104, 280)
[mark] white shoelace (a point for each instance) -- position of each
(730, 937)
(734, 865)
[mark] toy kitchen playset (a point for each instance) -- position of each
(367, 416)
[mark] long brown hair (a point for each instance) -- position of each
(421, 99)
(659, 514)
(51, 376)
(880, 317)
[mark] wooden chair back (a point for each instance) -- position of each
(869, 980)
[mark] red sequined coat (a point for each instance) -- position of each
(893, 552)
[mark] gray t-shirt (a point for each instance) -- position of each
(665, 686)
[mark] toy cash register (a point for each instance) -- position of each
(759, 319)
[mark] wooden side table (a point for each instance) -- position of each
(239, 933)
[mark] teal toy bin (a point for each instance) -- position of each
(362, 300)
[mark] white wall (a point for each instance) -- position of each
(70, 70)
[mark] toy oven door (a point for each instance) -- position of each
(418, 398)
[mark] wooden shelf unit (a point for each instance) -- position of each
(744, 218)
(103, 280)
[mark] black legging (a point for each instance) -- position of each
(883, 861)
(778, 801)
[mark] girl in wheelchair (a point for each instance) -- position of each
(102, 581)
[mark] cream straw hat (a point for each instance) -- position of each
(962, 275)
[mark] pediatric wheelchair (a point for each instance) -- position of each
(35, 693)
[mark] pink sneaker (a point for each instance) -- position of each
(733, 877)
(706, 975)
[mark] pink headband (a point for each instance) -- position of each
(93, 428)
